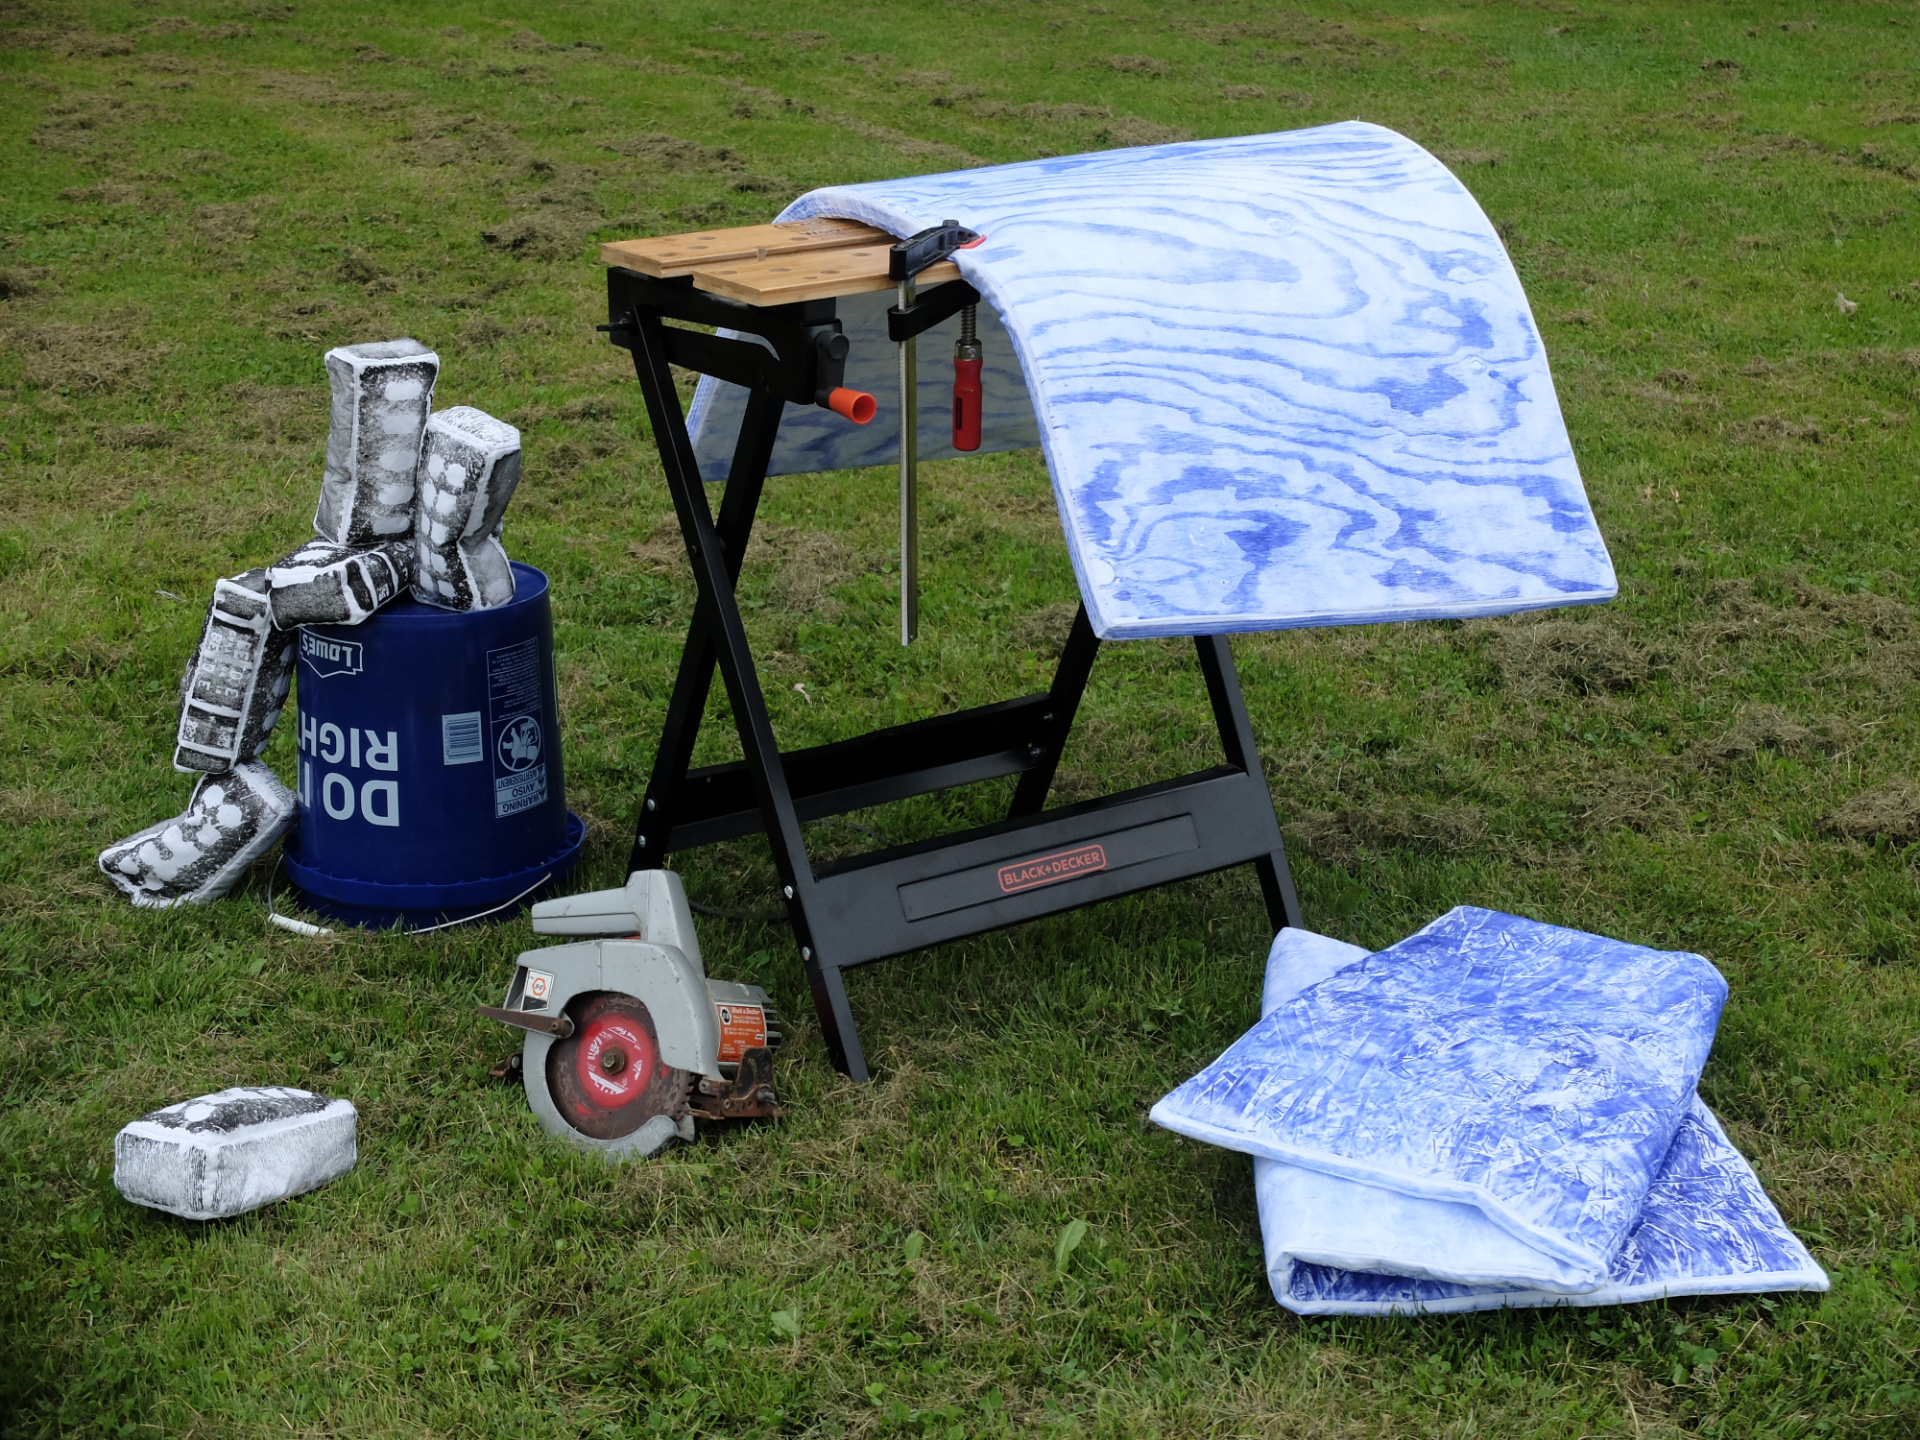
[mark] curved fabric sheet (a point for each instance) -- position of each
(1281, 380)
(1707, 1227)
(1527, 1077)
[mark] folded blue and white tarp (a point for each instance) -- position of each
(1492, 1113)
(1280, 380)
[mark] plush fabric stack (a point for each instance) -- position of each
(410, 500)
(1491, 1113)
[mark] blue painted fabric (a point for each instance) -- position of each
(1340, 1242)
(1280, 380)
(1707, 1228)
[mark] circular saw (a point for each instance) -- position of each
(628, 1042)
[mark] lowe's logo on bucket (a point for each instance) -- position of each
(331, 657)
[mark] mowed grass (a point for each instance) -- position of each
(193, 207)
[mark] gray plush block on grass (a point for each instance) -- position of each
(234, 1151)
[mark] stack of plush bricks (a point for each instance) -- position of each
(410, 500)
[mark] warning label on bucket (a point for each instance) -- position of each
(513, 714)
(514, 793)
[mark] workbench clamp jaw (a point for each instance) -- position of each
(908, 257)
(807, 362)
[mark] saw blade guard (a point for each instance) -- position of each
(664, 981)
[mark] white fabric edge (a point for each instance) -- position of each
(1586, 1267)
(1473, 1250)
(1218, 625)
(1765, 1283)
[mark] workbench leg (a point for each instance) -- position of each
(1069, 684)
(658, 807)
(716, 552)
(1236, 736)
(836, 1019)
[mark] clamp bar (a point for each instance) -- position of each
(909, 477)
(906, 260)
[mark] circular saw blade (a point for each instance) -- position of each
(607, 1079)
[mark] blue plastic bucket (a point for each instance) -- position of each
(430, 782)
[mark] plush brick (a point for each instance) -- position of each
(469, 467)
(225, 1154)
(382, 394)
(323, 583)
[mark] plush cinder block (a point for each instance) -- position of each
(231, 821)
(234, 1151)
(323, 583)
(469, 467)
(237, 681)
(382, 394)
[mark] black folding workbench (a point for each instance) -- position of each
(902, 898)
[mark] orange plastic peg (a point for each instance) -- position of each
(856, 405)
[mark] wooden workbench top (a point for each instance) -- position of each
(774, 264)
(669, 255)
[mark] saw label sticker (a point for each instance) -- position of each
(519, 744)
(742, 1028)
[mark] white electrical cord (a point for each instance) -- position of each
(301, 927)
(467, 919)
(287, 922)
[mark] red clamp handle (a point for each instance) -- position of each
(967, 393)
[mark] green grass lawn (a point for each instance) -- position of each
(193, 208)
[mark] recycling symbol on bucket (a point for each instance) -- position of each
(519, 743)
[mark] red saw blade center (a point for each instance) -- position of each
(615, 1061)
(608, 1078)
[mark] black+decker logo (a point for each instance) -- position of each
(1047, 869)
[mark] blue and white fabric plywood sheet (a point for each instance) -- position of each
(1281, 380)
(1492, 1113)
